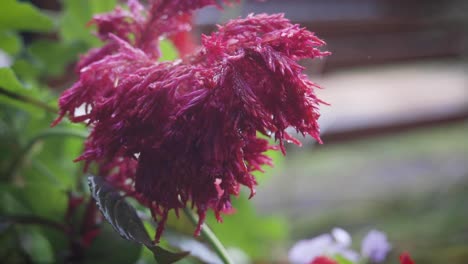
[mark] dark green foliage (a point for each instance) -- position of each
(15, 15)
(125, 220)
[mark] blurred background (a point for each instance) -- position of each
(395, 152)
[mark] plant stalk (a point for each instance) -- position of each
(28, 100)
(210, 237)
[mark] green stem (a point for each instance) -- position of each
(28, 100)
(210, 237)
(56, 132)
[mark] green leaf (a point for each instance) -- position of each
(58, 241)
(25, 70)
(53, 57)
(121, 215)
(9, 81)
(23, 16)
(163, 256)
(54, 161)
(38, 242)
(11, 249)
(10, 42)
(124, 219)
(168, 51)
(36, 245)
(13, 89)
(107, 247)
(9, 202)
(342, 260)
(43, 199)
(76, 14)
(100, 6)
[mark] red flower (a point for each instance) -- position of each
(169, 133)
(406, 259)
(323, 260)
(184, 41)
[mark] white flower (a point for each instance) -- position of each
(336, 243)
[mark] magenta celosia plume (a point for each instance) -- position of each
(169, 133)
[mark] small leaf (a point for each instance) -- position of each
(11, 42)
(13, 88)
(107, 247)
(36, 244)
(75, 16)
(26, 70)
(9, 81)
(121, 215)
(124, 219)
(53, 63)
(23, 16)
(37, 198)
(342, 260)
(9, 201)
(168, 51)
(163, 256)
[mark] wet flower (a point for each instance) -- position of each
(375, 246)
(188, 131)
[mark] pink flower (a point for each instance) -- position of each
(183, 41)
(173, 132)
